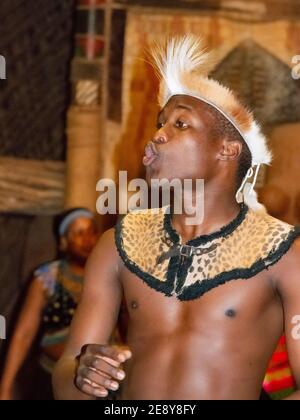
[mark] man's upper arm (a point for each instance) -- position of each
(288, 285)
(98, 310)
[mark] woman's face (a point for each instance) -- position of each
(81, 238)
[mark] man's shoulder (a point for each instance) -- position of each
(108, 235)
(141, 220)
(292, 257)
(295, 250)
(270, 230)
(286, 272)
(289, 234)
(154, 213)
(104, 258)
(264, 240)
(106, 241)
(139, 226)
(265, 218)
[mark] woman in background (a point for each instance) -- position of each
(51, 302)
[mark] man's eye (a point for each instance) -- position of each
(181, 124)
(159, 125)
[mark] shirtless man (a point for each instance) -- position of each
(188, 338)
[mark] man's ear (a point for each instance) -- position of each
(230, 150)
(63, 244)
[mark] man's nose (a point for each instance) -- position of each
(160, 137)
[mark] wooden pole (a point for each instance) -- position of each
(86, 119)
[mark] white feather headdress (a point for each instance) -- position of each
(183, 65)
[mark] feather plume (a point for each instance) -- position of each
(179, 56)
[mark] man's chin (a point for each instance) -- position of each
(160, 178)
(155, 175)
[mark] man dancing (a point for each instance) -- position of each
(208, 302)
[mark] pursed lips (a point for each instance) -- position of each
(151, 154)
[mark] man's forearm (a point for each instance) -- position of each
(63, 381)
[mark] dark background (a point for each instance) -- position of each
(36, 38)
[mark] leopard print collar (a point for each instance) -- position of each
(151, 248)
